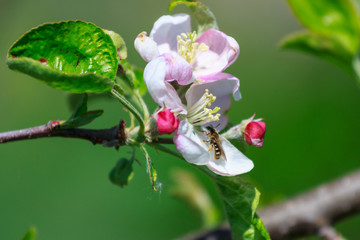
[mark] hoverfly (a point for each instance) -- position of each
(214, 143)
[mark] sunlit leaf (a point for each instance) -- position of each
(204, 17)
(122, 173)
(323, 47)
(71, 56)
(241, 200)
(337, 19)
(119, 44)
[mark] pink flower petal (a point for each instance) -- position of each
(178, 69)
(167, 28)
(223, 51)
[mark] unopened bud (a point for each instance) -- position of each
(166, 122)
(251, 130)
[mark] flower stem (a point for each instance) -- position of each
(131, 109)
(143, 105)
(165, 149)
(178, 155)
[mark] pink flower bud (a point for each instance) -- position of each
(255, 132)
(166, 122)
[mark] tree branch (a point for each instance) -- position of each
(112, 137)
(311, 213)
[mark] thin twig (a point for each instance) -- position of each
(163, 140)
(112, 137)
(311, 213)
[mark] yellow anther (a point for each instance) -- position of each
(187, 47)
(203, 47)
(215, 110)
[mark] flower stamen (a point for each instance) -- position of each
(200, 113)
(188, 48)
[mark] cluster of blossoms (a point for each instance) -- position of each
(184, 75)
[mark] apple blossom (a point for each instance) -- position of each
(176, 54)
(185, 74)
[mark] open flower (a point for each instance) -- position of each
(185, 74)
(176, 54)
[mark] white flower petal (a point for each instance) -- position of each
(236, 163)
(220, 85)
(146, 47)
(162, 92)
(189, 144)
(167, 28)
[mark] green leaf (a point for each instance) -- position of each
(30, 234)
(130, 84)
(140, 83)
(204, 17)
(71, 56)
(337, 19)
(81, 116)
(122, 173)
(323, 47)
(151, 170)
(241, 200)
(119, 44)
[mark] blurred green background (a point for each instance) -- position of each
(61, 185)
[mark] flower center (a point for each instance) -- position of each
(187, 47)
(199, 113)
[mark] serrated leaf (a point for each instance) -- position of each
(31, 234)
(241, 200)
(122, 173)
(337, 19)
(81, 116)
(323, 47)
(119, 44)
(204, 17)
(71, 56)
